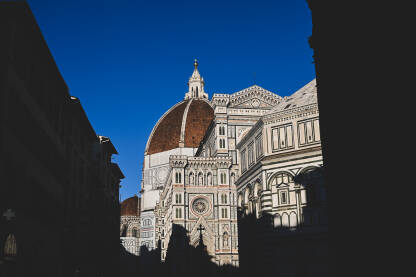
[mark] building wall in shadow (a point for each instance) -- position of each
(267, 246)
(59, 188)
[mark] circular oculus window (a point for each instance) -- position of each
(200, 205)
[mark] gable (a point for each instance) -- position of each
(254, 103)
(254, 97)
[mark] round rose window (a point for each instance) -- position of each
(200, 205)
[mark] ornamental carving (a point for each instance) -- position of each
(200, 206)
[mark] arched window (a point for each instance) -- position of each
(124, 231)
(277, 221)
(178, 198)
(224, 213)
(222, 143)
(10, 246)
(293, 220)
(178, 213)
(223, 198)
(281, 183)
(223, 178)
(240, 200)
(196, 91)
(178, 177)
(312, 180)
(222, 130)
(134, 232)
(285, 220)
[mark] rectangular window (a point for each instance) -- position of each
(243, 160)
(234, 157)
(309, 132)
(282, 137)
(301, 131)
(283, 197)
(316, 130)
(289, 134)
(275, 139)
(250, 154)
(259, 146)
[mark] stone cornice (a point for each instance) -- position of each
(268, 159)
(293, 113)
(220, 162)
(249, 172)
(176, 161)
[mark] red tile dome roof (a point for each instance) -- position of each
(185, 123)
(130, 206)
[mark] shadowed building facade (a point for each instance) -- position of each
(59, 209)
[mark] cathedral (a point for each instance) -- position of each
(251, 152)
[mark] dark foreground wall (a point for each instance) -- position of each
(59, 211)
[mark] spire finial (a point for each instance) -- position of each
(195, 63)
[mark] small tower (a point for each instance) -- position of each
(196, 85)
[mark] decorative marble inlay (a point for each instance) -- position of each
(200, 205)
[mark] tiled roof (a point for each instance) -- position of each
(200, 115)
(167, 133)
(130, 206)
(304, 96)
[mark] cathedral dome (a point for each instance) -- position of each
(183, 125)
(130, 206)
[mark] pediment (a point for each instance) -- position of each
(254, 97)
(253, 103)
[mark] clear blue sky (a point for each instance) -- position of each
(129, 61)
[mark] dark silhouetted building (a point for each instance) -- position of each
(59, 188)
